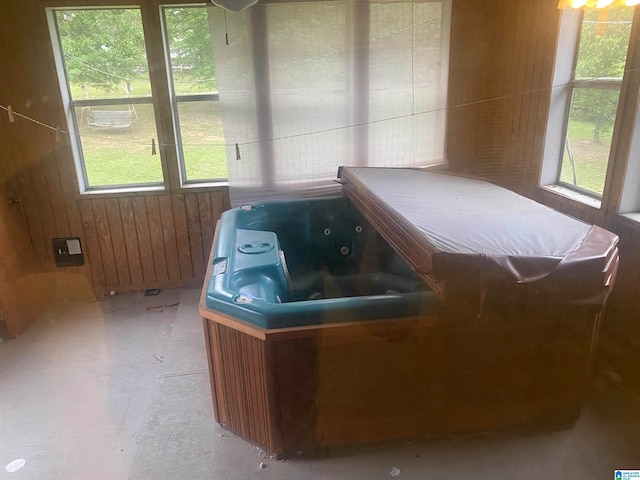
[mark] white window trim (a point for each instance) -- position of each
(171, 182)
(566, 57)
(626, 202)
(622, 183)
(70, 105)
(177, 98)
(66, 99)
(563, 87)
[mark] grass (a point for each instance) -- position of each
(124, 156)
(202, 140)
(590, 157)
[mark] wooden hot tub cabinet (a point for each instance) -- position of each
(505, 339)
(303, 390)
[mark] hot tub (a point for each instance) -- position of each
(305, 262)
(321, 331)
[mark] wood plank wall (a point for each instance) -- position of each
(502, 55)
(130, 242)
(21, 169)
(150, 241)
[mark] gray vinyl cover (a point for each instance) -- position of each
(447, 227)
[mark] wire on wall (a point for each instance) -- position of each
(236, 145)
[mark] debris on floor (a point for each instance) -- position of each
(151, 292)
(15, 465)
(262, 465)
(395, 472)
(160, 308)
(159, 359)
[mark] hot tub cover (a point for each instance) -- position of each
(450, 228)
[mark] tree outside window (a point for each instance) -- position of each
(596, 86)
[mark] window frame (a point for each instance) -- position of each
(175, 99)
(161, 98)
(357, 84)
(621, 194)
(71, 104)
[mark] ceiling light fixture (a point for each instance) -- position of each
(234, 5)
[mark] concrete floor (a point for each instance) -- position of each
(113, 390)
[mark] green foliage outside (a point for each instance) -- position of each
(105, 57)
(103, 48)
(602, 56)
(191, 54)
(590, 158)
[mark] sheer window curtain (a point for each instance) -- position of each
(307, 87)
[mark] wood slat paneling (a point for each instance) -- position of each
(144, 239)
(30, 208)
(207, 223)
(157, 239)
(42, 196)
(114, 219)
(169, 237)
(195, 234)
(240, 386)
(149, 241)
(79, 279)
(131, 240)
(92, 244)
(105, 241)
(505, 67)
(182, 236)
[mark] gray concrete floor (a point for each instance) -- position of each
(113, 390)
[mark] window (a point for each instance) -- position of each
(306, 87)
(113, 100)
(109, 103)
(300, 89)
(590, 67)
(194, 91)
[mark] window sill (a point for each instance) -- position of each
(633, 217)
(155, 190)
(198, 186)
(573, 195)
(124, 192)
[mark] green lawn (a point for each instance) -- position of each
(590, 157)
(124, 156)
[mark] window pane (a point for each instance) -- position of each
(407, 62)
(203, 148)
(309, 91)
(104, 53)
(604, 43)
(190, 54)
(588, 141)
(117, 144)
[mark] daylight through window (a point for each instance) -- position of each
(109, 97)
(594, 92)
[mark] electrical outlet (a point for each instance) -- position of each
(68, 252)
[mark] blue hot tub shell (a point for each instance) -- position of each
(303, 262)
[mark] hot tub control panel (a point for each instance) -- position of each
(259, 271)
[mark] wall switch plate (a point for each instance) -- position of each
(68, 252)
